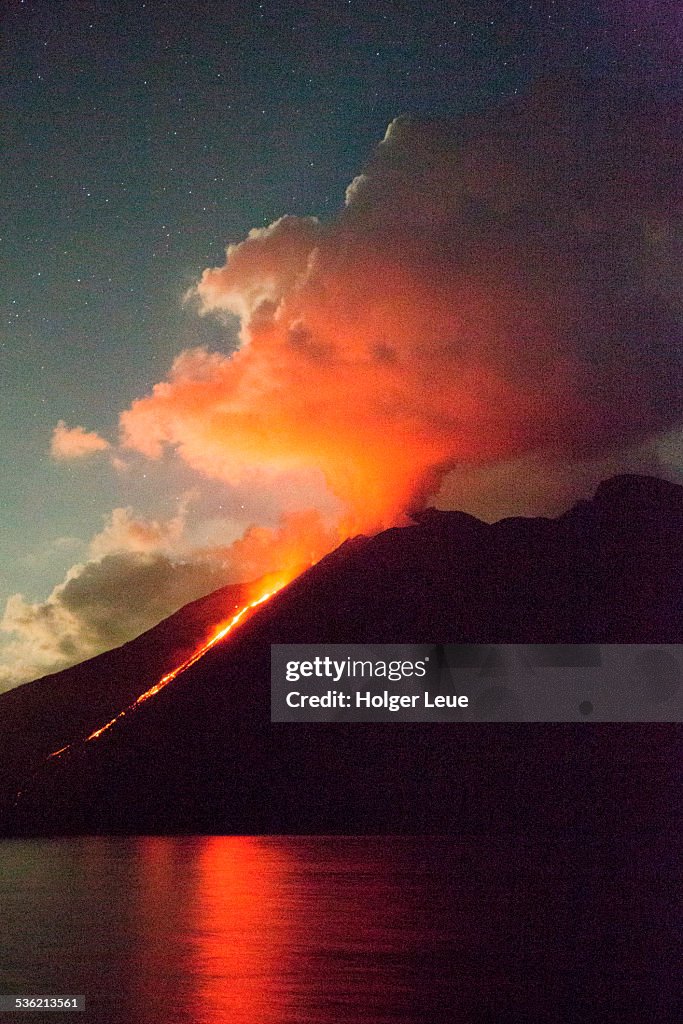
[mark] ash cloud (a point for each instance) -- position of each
(496, 289)
(494, 317)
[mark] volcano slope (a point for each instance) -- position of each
(46, 714)
(203, 756)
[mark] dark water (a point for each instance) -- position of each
(321, 930)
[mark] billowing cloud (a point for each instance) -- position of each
(297, 542)
(138, 572)
(125, 532)
(502, 288)
(75, 442)
(99, 605)
(494, 315)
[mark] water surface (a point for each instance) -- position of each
(200, 930)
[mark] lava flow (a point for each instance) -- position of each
(222, 632)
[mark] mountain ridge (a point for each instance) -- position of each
(203, 755)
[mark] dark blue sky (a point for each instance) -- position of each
(140, 138)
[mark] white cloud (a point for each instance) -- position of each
(75, 443)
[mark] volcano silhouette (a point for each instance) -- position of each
(203, 756)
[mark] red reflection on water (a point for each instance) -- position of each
(241, 939)
(273, 930)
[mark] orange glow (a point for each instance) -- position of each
(375, 379)
(243, 940)
(274, 585)
(212, 929)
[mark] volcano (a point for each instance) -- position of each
(201, 755)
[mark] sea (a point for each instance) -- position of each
(343, 930)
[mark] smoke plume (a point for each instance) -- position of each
(503, 287)
(493, 317)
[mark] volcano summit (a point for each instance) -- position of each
(203, 755)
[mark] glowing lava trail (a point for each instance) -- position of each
(174, 673)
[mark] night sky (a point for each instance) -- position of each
(139, 140)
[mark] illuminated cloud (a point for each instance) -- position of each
(124, 532)
(300, 539)
(134, 576)
(100, 605)
(75, 442)
(493, 316)
(498, 289)
(138, 572)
